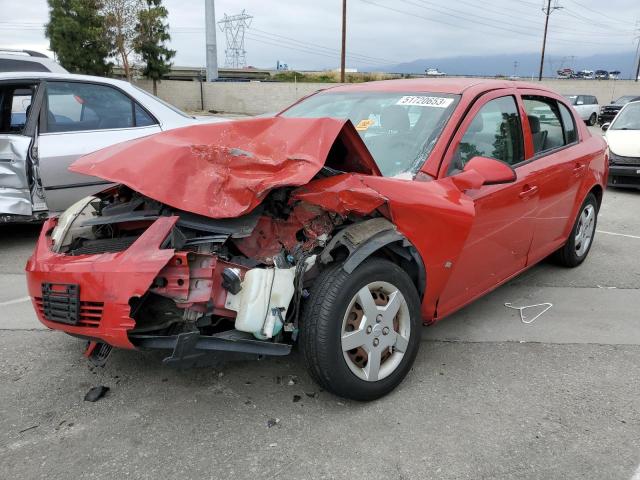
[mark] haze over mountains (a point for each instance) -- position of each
(528, 64)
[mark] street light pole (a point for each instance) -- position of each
(344, 40)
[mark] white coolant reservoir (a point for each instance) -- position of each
(265, 292)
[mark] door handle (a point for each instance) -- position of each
(528, 191)
(579, 168)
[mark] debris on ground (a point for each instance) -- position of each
(296, 398)
(272, 422)
(521, 310)
(96, 393)
(311, 394)
(28, 428)
(293, 380)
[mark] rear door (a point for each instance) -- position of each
(79, 118)
(17, 130)
(554, 136)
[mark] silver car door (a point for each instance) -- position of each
(82, 117)
(18, 119)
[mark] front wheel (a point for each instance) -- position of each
(580, 240)
(360, 332)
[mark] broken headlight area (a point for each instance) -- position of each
(241, 276)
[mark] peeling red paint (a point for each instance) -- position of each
(226, 169)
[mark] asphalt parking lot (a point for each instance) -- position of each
(489, 397)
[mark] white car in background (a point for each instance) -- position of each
(623, 137)
(48, 120)
(587, 106)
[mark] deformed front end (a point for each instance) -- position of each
(127, 270)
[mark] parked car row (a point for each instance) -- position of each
(566, 73)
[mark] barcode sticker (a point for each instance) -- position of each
(422, 101)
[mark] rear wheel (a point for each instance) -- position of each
(580, 240)
(361, 331)
(592, 119)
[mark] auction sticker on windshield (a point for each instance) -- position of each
(422, 101)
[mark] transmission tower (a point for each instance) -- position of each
(234, 27)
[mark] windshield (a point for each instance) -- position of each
(399, 129)
(624, 100)
(628, 118)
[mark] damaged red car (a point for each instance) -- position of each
(342, 225)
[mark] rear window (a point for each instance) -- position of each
(14, 65)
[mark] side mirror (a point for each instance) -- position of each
(605, 126)
(481, 171)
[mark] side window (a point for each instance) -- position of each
(544, 121)
(595, 100)
(75, 106)
(143, 119)
(15, 107)
(495, 132)
(568, 124)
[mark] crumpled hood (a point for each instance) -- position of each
(226, 169)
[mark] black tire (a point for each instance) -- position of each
(322, 322)
(567, 256)
(592, 119)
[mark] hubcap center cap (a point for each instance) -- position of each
(377, 330)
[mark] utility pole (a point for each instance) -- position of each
(638, 51)
(212, 49)
(343, 53)
(547, 11)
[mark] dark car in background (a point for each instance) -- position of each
(609, 112)
(602, 75)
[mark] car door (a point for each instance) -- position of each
(18, 119)
(502, 229)
(554, 134)
(79, 118)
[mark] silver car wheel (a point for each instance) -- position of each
(375, 331)
(585, 229)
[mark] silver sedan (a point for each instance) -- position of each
(48, 120)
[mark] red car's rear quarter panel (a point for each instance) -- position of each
(108, 278)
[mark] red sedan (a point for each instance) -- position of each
(342, 224)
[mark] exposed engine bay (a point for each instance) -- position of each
(246, 274)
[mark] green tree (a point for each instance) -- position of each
(151, 41)
(77, 34)
(121, 20)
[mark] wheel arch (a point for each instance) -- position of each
(376, 237)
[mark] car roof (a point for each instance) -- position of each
(60, 76)
(436, 85)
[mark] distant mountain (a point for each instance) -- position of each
(528, 64)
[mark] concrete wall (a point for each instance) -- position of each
(254, 98)
(250, 98)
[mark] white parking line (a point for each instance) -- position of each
(14, 301)
(636, 476)
(618, 235)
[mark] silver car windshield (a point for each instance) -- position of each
(628, 118)
(399, 129)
